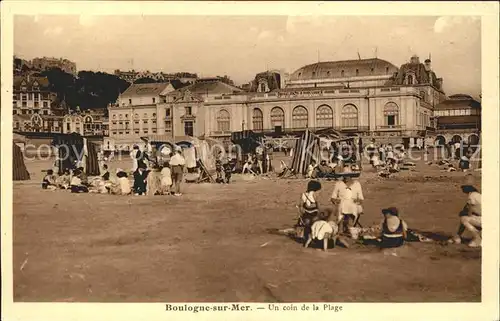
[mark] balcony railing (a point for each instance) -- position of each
(391, 127)
(221, 133)
(295, 130)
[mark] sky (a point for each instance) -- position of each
(242, 46)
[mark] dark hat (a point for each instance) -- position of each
(391, 211)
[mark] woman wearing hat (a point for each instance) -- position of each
(347, 196)
(393, 229)
(470, 216)
(177, 163)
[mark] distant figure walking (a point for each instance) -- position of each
(177, 163)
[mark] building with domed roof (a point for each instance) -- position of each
(368, 97)
(344, 74)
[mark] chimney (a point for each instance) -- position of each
(427, 65)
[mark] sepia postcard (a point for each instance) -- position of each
(249, 160)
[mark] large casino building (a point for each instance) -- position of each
(370, 97)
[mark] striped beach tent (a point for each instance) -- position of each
(19, 171)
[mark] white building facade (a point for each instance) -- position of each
(369, 97)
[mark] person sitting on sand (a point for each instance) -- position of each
(122, 184)
(83, 176)
(470, 216)
(64, 180)
(49, 180)
(311, 169)
(166, 179)
(309, 207)
(248, 166)
(347, 196)
(323, 170)
(76, 183)
(393, 229)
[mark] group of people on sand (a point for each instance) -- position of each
(323, 224)
(258, 163)
(224, 169)
(386, 156)
(162, 179)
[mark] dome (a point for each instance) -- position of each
(345, 68)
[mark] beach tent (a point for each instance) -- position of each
(19, 171)
(309, 147)
(247, 140)
(73, 148)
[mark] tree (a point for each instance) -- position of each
(89, 90)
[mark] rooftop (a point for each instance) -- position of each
(30, 80)
(345, 68)
(215, 87)
(152, 89)
(458, 101)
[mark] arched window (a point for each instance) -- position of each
(349, 116)
(88, 119)
(257, 119)
(473, 140)
(411, 79)
(456, 139)
(324, 116)
(223, 121)
(300, 117)
(277, 117)
(391, 114)
(440, 141)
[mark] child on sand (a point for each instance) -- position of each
(166, 179)
(64, 180)
(311, 168)
(309, 207)
(322, 230)
(228, 170)
(76, 184)
(49, 180)
(394, 229)
(122, 185)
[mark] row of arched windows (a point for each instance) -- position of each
(300, 117)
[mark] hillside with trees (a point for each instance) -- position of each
(88, 90)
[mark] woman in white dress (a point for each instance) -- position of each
(348, 197)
